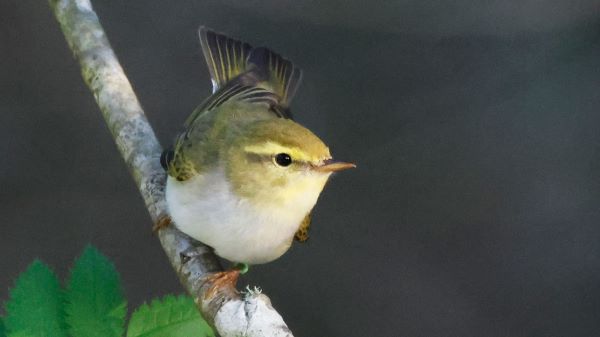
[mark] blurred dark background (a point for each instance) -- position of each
(475, 208)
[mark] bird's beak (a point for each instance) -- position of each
(333, 166)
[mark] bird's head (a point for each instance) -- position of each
(278, 162)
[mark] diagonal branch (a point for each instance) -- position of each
(229, 313)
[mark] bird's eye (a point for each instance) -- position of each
(283, 159)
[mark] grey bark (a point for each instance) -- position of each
(230, 313)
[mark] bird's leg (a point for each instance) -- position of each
(225, 279)
(221, 283)
(164, 221)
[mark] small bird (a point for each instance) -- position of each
(243, 177)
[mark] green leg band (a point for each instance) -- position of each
(242, 267)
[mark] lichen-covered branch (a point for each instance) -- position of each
(229, 313)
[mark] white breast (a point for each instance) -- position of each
(205, 208)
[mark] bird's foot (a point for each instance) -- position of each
(223, 280)
(164, 221)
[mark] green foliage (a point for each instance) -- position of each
(171, 317)
(92, 306)
(35, 305)
(22, 333)
(94, 299)
(2, 329)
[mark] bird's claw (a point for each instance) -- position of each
(164, 221)
(220, 281)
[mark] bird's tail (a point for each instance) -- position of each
(227, 59)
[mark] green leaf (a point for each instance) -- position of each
(171, 317)
(22, 333)
(35, 304)
(2, 328)
(94, 299)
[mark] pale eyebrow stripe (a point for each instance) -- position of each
(271, 148)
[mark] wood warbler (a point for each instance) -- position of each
(243, 176)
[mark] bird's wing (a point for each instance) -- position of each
(238, 90)
(239, 73)
(302, 232)
(179, 160)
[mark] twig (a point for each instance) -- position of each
(229, 313)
